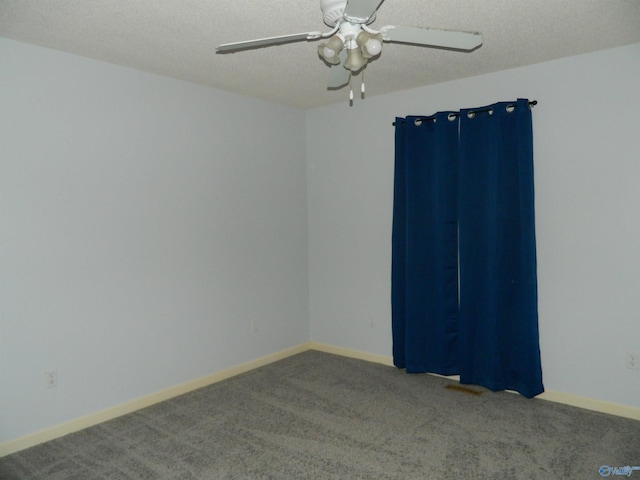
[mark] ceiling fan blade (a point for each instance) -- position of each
(432, 37)
(360, 11)
(339, 76)
(267, 42)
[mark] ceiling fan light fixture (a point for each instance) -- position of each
(330, 51)
(370, 43)
(355, 60)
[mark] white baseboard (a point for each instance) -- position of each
(591, 404)
(151, 399)
(77, 424)
(348, 352)
(550, 395)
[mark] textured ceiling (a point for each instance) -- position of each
(177, 38)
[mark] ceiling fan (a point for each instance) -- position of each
(352, 43)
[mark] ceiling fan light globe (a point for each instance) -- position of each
(370, 44)
(373, 47)
(328, 53)
(335, 43)
(362, 38)
(355, 60)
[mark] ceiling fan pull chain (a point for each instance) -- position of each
(350, 90)
(362, 86)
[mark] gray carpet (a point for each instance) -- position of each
(320, 416)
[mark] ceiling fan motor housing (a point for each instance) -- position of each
(333, 11)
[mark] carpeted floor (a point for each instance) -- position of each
(320, 416)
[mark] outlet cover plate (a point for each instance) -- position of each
(633, 361)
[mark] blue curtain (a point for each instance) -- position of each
(425, 250)
(464, 287)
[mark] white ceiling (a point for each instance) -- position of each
(177, 38)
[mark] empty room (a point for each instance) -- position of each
(203, 265)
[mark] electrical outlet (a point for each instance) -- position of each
(633, 361)
(254, 326)
(51, 379)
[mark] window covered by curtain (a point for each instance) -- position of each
(464, 288)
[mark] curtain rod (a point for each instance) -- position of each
(531, 104)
